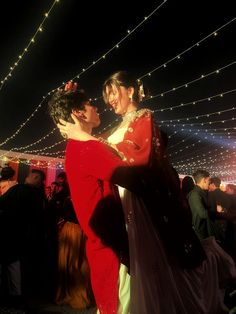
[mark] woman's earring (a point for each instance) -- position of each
(131, 99)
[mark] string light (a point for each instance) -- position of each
(199, 116)
(221, 94)
(22, 125)
(117, 45)
(181, 105)
(213, 163)
(193, 81)
(204, 123)
(186, 50)
(25, 50)
(33, 160)
(194, 102)
(84, 69)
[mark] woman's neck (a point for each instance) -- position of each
(130, 109)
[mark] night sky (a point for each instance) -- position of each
(78, 33)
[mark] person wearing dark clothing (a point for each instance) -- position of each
(22, 231)
(197, 199)
(231, 191)
(54, 222)
(219, 206)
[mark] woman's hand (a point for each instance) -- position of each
(75, 131)
(72, 130)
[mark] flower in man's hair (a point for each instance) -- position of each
(71, 86)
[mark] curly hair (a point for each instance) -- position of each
(62, 103)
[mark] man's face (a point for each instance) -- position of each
(206, 182)
(90, 115)
(33, 179)
(212, 187)
(54, 188)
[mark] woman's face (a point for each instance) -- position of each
(120, 99)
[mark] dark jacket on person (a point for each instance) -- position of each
(21, 221)
(197, 199)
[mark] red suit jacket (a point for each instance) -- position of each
(89, 167)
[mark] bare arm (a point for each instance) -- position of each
(77, 131)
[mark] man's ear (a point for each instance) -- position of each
(79, 113)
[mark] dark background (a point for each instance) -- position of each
(77, 33)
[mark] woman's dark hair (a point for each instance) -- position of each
(187, 185)
(125, 79)
(62, 103)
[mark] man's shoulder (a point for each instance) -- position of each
(194, 193)
(194, 190)
(219, 193)
(14, 189)
(74, 150)
(80, 146)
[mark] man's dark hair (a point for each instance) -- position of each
(62, 103)
(62, 175)
(200, 174)
(40, 173)
(216, 181)
(7, 173)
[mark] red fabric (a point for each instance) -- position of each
(85, 170)
(15, 166)
(137, 145)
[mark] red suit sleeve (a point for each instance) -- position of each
(101, 162)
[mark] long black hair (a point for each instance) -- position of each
(126, 79)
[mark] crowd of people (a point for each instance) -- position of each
(41, 243)
(124, 233)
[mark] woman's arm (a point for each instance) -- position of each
(137, 143)
(76, 130)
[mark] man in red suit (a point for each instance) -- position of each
(96, 202)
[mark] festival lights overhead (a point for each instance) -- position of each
(25, 50)
(177, 57)
(85, 69)
(194, 135)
